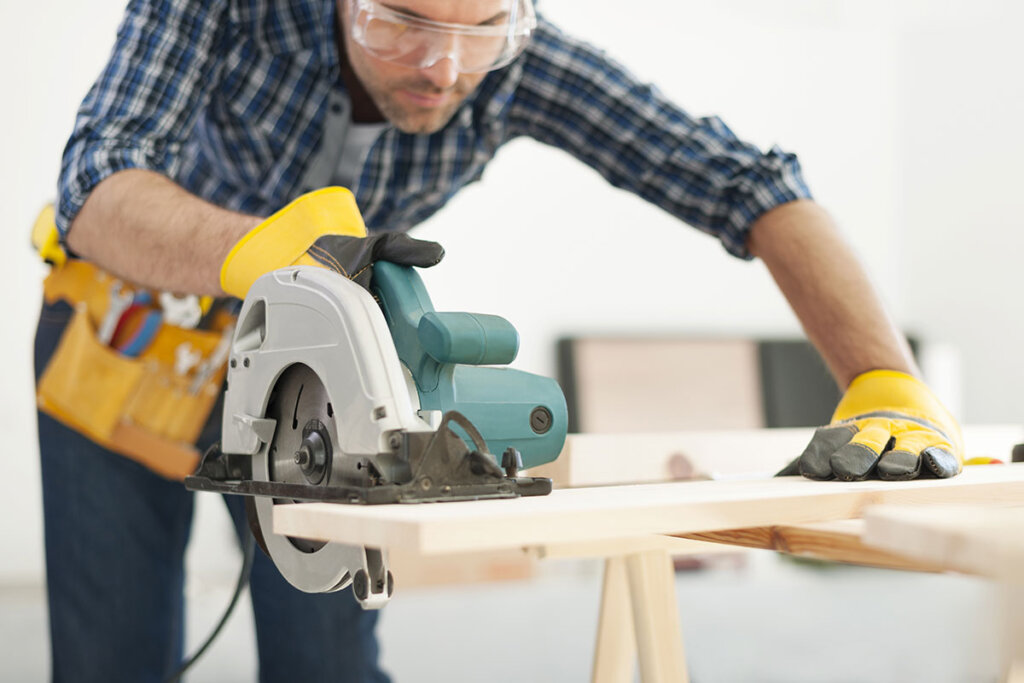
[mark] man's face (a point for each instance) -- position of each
(419, 100)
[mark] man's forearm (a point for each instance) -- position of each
(143, 227)
(829, 291)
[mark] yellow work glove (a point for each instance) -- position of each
(887, 423)
(322, 228)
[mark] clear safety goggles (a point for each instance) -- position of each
(407, 40)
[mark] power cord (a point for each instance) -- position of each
(248, 550)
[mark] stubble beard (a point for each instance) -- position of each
(409, 118)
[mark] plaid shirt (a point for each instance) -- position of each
(241, 101)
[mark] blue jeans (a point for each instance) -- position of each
(115, 542)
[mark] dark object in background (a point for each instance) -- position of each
(796, 386)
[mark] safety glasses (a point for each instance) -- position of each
(412, 41)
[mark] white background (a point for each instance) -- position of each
(906, 115)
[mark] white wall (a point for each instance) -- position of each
(862, 90)
(51, 52)
(962, 140)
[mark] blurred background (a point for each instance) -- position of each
(906, 115)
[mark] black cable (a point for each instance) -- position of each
(248, 550)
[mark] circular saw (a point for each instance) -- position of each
(343, 395)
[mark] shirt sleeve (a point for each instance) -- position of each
(144, 104)
(576, 98)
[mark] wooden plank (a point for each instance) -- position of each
(615, 650)
(983, 539)
(838, 541)
(987, 540)
(609, 459)
(615, 512)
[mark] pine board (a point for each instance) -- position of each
(618, 512)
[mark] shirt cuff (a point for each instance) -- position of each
(775, 179)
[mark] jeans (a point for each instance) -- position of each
(115, 542)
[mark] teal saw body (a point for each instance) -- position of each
(452, 359)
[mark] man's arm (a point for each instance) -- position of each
(114, 188)
(142, 227)
(888, 423)
(829, 291)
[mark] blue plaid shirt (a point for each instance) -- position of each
(240, 101)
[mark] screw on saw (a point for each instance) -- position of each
(540, 420)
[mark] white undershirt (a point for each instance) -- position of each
(358, 139)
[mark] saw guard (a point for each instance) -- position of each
(310, 315)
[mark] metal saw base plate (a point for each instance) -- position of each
(370, 495)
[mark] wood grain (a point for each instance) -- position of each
(616, 512)
(838, 541)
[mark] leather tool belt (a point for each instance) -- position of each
(149, 405)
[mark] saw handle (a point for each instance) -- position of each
(511, 408)
(468, 338)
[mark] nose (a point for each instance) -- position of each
(442, 73)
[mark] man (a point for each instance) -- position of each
(211, 116)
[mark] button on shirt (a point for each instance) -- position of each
(241, 102)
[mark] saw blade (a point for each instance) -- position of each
(303, 451)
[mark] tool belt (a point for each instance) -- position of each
(148, 404)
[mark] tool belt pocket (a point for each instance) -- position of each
(167, 403)
(148, 407)
(86, 383)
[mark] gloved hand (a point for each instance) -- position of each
(887, 422)
(322, 228)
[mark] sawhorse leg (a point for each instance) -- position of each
(639, 614)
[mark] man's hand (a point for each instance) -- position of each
(322, 228)
(887, 423)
